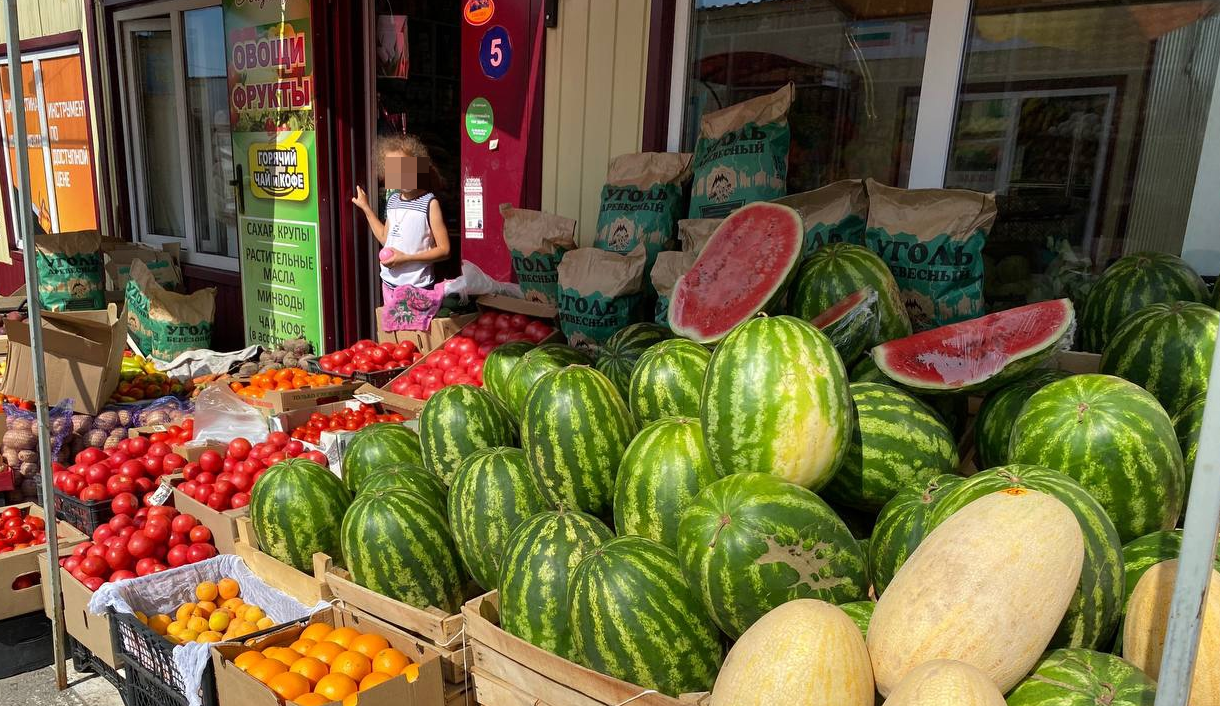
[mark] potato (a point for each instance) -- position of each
(106, 421)
(111, 442)
(159, 416)
(21, 423)
(299, 346)
(247, 369)
(29, 469)
(61, 425)
(27, 456)
(81, 423)
(96, 438)
(19, 440)
(125, 417)
(291, 361)
(10, 457)
(266, 357)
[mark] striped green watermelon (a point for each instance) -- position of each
(458, 420)
(953, 410)
(574, 432)
(296, 508)
(898, 441)
(1165, 349)
(902, 525)
(1130, 284)
(1093, 613)
(776, 399)
(662, 471)
(752, 541)
(379, 445)
(533, 365)
(1188, 425)
(851, 324)
(634, 618)
(1080, 677)
(498, 368)
(865, 370)
(836, 270)
(538, 562)
(861, 613)
(397, 543)
(993, 425)
(415, 478)
(668, 381)
(492, 493)
(1113, 438)
(1142, 554)
(625, 347)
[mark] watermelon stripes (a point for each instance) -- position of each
(624, 348)
(533, 365)
(498, 367)
(1080, 677)
(413, 478)
(379, 445)
(1142, 554)
(902, 525)
(835, 271)
(668, 381)
(1188, 425)
(1130, 284)
(296, 509)
(993, 426)
(459, 420)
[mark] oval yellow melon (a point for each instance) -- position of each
(802, 653)
(942, 682)
(1147, 619)
(988, 587)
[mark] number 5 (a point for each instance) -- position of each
(497, 54)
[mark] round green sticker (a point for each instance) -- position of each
(479, 120)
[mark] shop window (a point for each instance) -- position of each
(213, 199)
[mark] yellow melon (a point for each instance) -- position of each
(1147, 618)
(943, 681)
(988, 587)
(803, 653)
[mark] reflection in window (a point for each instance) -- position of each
(213, 199)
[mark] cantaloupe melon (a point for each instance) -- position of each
(803, 653)
(1147, 618)
(988, 587)
(942, 682)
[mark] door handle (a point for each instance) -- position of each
(240, 195)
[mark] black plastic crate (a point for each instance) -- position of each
(85, 661)
(84, 516)
(25, 644)
(380, 378)
(143, 688)
(138, 645)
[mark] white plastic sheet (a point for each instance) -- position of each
(220, 415)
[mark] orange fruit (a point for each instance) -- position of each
(204, 608)
(373, 679)
(184, 613)
(311, 699)
(253, 614)
(411, 672)
(325, 652)
(336, 687)
(343, 636)
(228, 589)
(233, 605)
(369, 645)
(245, 660)
(159, 623)
(208, 636)
(197, 624)
(302, 646)
(353, 664)
(351, 700)
(206, 591)
(310, 668)
(316, 632)
(289, 685)
(266, 669)
(283, 654)
(390, 661)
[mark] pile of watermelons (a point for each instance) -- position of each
(739, 486)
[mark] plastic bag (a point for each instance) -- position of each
(164, 591)
(194, 363)
(474, 282)
(220, 415)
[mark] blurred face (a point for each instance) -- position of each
(405, 172)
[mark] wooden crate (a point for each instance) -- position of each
(302, 586)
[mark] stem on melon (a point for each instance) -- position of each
(725, 521)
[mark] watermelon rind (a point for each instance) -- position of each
(1130, 284)
(1112, 437)
(965, 356)
(1081, 677)
(666, 642)
(776, 398)
(414, 478)
(458, 420)
(751, 541)
(668, 381)
(1165, 349)
(852, 324)
(897, 441)
(861, 613)
(378, 445)
(1188, 425)
(533, 365)
(993, 425)
(835, 271)
(498, 368)
(901, 526)
(539, 559)
(745, 277)
(624, 348)
(1143, 553)
(296, 509)
(1094, 610)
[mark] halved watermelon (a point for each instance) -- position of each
(746, 265)
(851, 323)
(980, 354)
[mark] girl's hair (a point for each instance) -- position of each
(407, 144)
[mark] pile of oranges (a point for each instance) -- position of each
(218, 616)
(282, 379)
(327, 664)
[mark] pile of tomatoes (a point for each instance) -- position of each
(19, 529)
(138, 542)
(492, 329)
(175, 434)
(134, 466)
(369, 357)
(224, 482)
(347, 419)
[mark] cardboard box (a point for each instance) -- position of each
(83, 351)
(233, 686)
(426, 341)
(304, 587)
(222, 525)
(163, 264)
(92, 631)
(280, 401)
(25, 561)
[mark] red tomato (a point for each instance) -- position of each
(452, 374)
(119, 575)
(518, 322)
(123, 505)
(92, 492)
(240, 500)
(364, 344)
(239, 449)
(93, 582)
(119, 484)
(157, 531)
(467, 358)
(177, 555)
(347, 370)
(414, 391)
(538, 330)
(475, 369)
(400, 385)
(159, 448)
(143, 485)
(103, 533)
(145, 566)
(120, 520)
(277, 439)
(140, 546)
(137, 446)
(198, 552)
(190, 470)
(341, 358)
(202, 491)
(317, 457)
(118, 558)
(446, 361)
(176, 538)
(90, 456)
(242, 481)
(205, 478)
(74, 485)
(216, 501)
(152, 464)
(99, 472)
(402, 354)
(379, 356)
(183, 523)
(503, 322)
(211, 461)
(172, 463)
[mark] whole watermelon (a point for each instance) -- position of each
(898, 441)
(498, 368)
(458, 420)
(492, 493)
(836, 270)
(993, 425)
(379, 445)
(1113, 438)
(668, 381)
(751, 541)
(414, 478)
(1142, 554)
(776, 399)
(665, 642)
(533, 365)
(397, 543)
(1081, 677)
(1094, 611)
(1165, 349)
(1130, 284)
(662, 471)
(860, 612)
(538, 562)
(1188, 425)
(625, 347)
(953, 410)
(902, 525)
(296, 508)
(574, 432)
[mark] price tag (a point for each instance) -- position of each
(368, 397)
(159, 428)
(161, 494)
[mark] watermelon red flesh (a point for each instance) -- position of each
(841, 308)
(748, 261)
(979, 354)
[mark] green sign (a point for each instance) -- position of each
(271, 107)
(479, 120)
